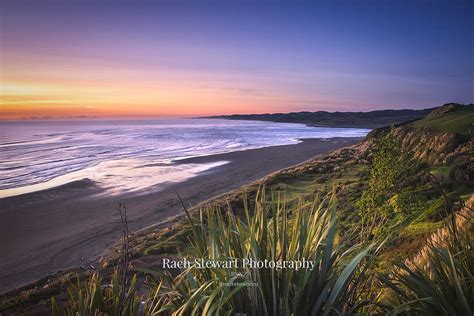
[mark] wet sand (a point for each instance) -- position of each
(71, 225)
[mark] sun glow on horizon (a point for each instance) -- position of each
(112, 99)
(92, 90)
(57, 88)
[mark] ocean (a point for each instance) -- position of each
(131, 155)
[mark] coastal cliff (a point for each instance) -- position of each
(438, 139)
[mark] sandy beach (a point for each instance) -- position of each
(71, 225)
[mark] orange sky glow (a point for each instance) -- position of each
(55, 88)
(50, 90)
(160, 60)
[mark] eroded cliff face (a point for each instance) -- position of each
(431, 147)
(427, 145)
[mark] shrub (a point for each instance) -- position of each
(462, 171)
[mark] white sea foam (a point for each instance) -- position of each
(39, 155)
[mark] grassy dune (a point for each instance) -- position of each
(458, 119)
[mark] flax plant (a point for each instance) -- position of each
(273, 231)
(95, 298)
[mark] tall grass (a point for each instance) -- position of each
(115, 298)
(440, 279)
(270, 231)
(339, 283)
(95, 297)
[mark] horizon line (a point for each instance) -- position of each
(157, 116)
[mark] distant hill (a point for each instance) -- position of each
(371, 119)
(450, 118)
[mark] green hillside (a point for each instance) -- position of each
(455, 118)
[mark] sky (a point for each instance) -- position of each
(182, 58)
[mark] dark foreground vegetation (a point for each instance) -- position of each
(344, 280)
(388, 222)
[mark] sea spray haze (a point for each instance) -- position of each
(136, 154)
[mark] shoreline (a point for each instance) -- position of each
(71, 226)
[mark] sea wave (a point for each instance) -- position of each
(35, 153)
